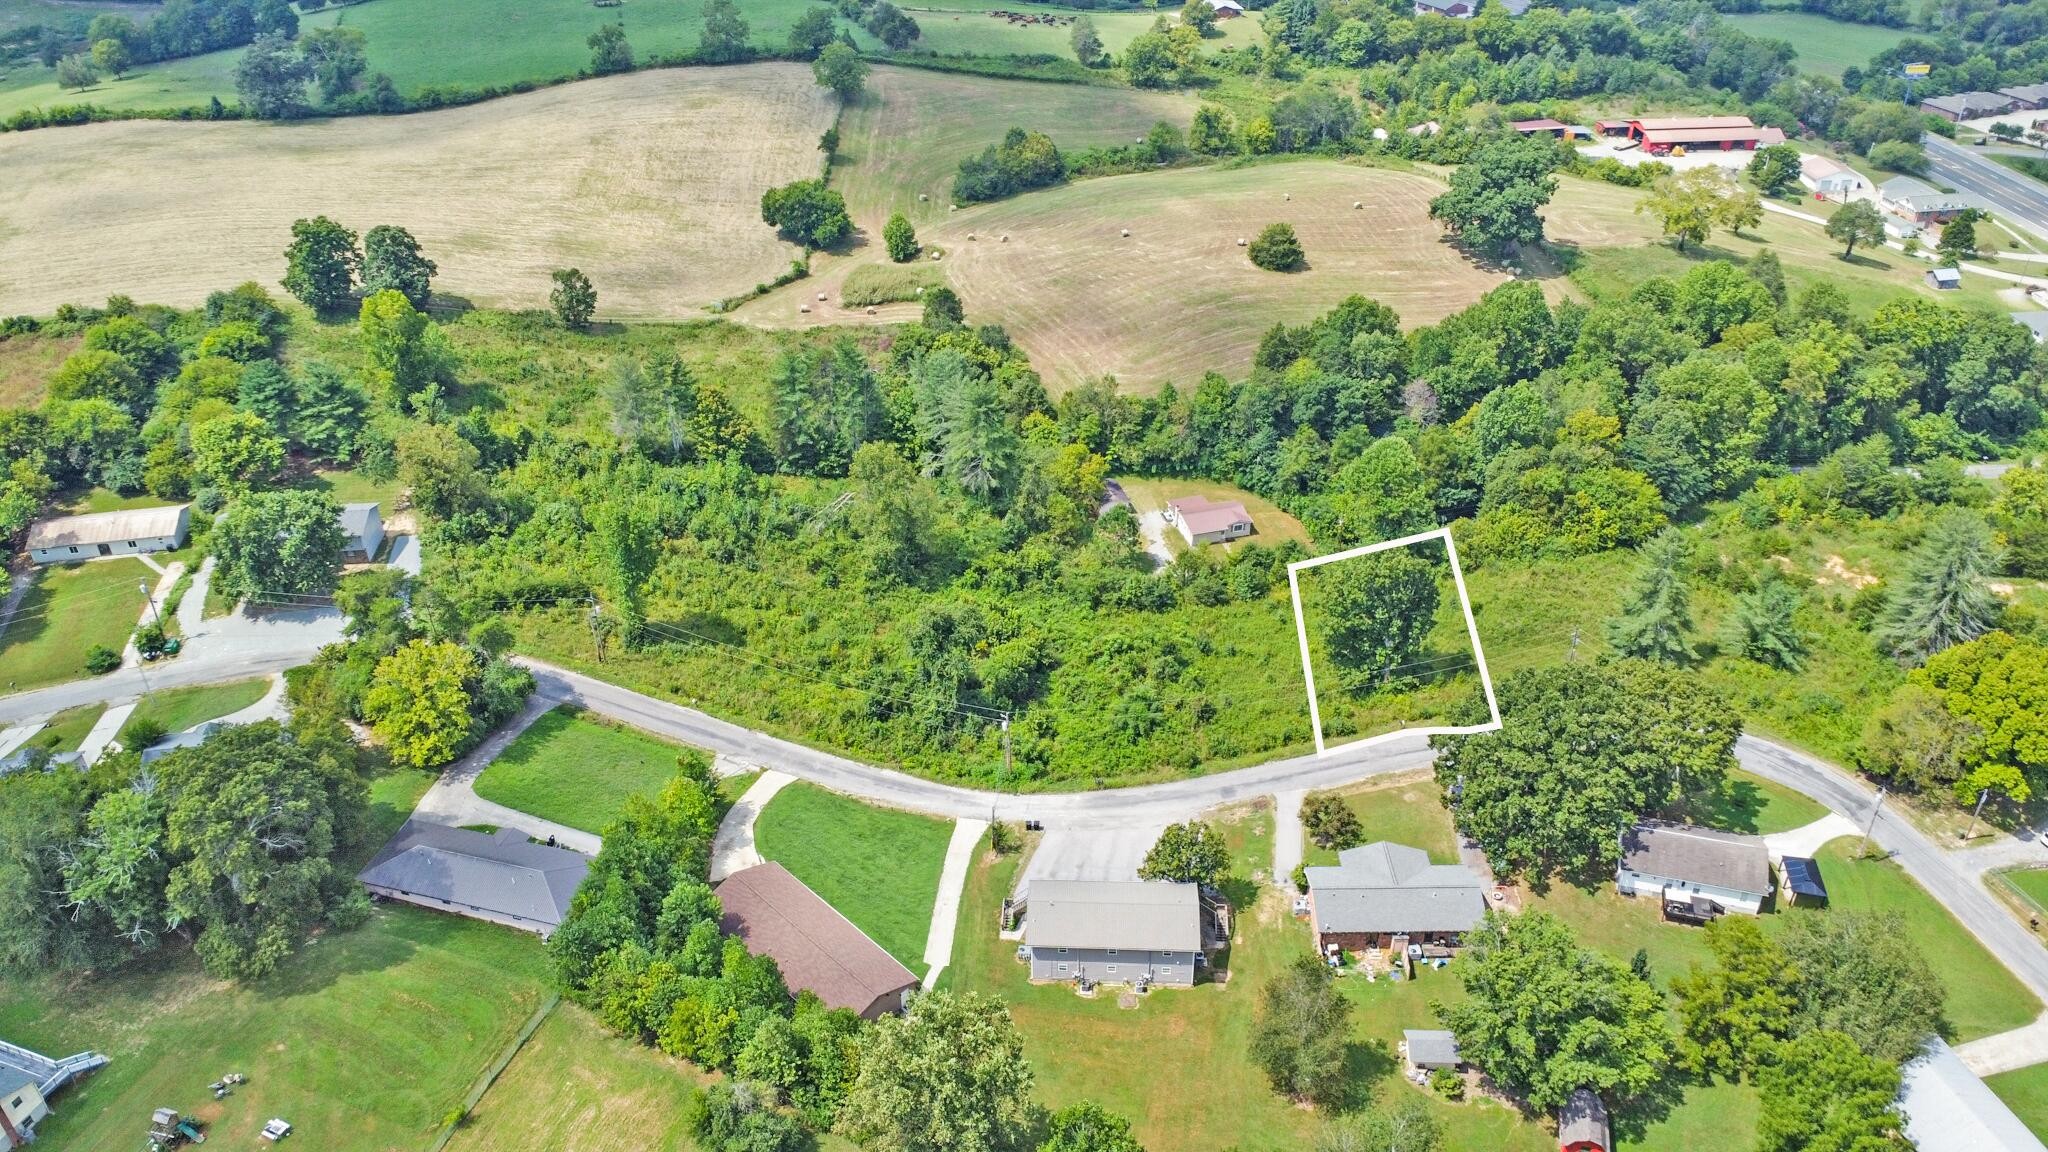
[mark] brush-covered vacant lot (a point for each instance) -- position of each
(650, 183)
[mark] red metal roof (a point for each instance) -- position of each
(1702, 135)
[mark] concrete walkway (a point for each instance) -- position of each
(105, 729)
(732, 850)
(1287, 836)
(14, 737)
(453, 801)
(192, 609)
(938, 943)
(166, 577)
(271, 707)
(1805, 841)
(2007, 1051)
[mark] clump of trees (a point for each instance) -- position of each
(1275, 248)
(1021, 162)
(807, 213)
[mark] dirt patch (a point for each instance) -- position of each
(1839, 572)
(650, 183)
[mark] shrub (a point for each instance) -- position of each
(100, 659)
(142, 732)
(1447, 1084)
(1277, 250)
(150, 639)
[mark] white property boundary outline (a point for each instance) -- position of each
(1308, 671)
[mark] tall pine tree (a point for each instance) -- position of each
(1657, 615)
(1943, 599)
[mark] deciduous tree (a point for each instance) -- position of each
(1546, 1017)
(111, 57)
(1275, 248)
(806, 212)
(419, 703)
(339, 57)
(1193, 852)
(235, 450)
(1300, 1032)
(609, 51)
(1086, 42)
(1865, 974)
(811, 32)
(283, 544)
(1856, 222)
(271, 78)
(1825, 1092)
(1775, 169)
(724, 40)
(1497, 195)
(320, 263)
(1088, 1127)
(1377, 614)
(392, 261)
(900, 238)
(840, 68)
(1583, 753)
(573, 299)
(948, 1075)
(1732, 1013)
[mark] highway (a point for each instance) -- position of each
(2021, 201)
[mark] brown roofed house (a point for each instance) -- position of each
(775, 914)
(1205, 521)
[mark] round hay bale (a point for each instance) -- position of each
(1287, 195)
(1358, 203)
(918, 291)
(921, 198)
(971, 236)
(803, 307)
(871, 309)
(1240, 241)
(1127, 231)
(821, 297)
(1006, 238)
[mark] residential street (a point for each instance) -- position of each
(2019, 199)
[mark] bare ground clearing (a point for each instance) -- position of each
(650, 183)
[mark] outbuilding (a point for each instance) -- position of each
(27, 1081)
(1205, 521)
(820, 951)
(1429, 1049)
(1946, 279)
(1698, 873)
(1545, 126)
(1827, 177)
(1114, 931)
(1659, 136)
(1582, 1124)
(501, 876)
(362, 525)
(1803, 884)
(128, 532)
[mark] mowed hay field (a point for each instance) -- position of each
(1178, 297)
(910, 131)
(650, 183)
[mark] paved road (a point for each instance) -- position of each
(1156, 804)
(1989, 184)
(1954, 885)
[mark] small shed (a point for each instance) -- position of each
(1946, 279)
(362, 525)
(1430, 1049)
(1802, 880)
(1582, 1124)
(1545, 126)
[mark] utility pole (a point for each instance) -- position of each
(1006, 752)
(143, 585)
(1982, 794)
(1574, 653)
(1864, 846)
(596, 641)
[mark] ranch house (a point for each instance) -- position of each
(1205, 521)
(1698, 873)
(1226, 9)
(1380, 894)
(775, 914)
(1114, 932)
(1918, 201)
(499, 877)
(68, 539)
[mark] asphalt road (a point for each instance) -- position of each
(1958, 890)
(2020, 200)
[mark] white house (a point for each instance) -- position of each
(1826, 177)
(363, 524)
(1205, 521)
(68, 539)
(1698, 873)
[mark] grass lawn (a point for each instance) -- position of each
(879, 867)
(2030, 883)
(70, 609)
(575, 1087)
(1270, 524)
(65, 731)
(349, 486)
(577, 770)
(1405, 812)
(1826, 45)
(1758, 807)
(176, 709)
(364, 1041)
(393, 796)
(2025, 1091)
(1983, 998)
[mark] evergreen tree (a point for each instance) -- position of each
(1763, 627)
(1943, 598)
(392, 259)
(1657, 614)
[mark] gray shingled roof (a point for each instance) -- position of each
(1134, 914)
(1918, 195)
(1386, 887)
(1431, 1046)
(500, 872)
(357, 518)
(1583, 1117)
(1698, 855)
